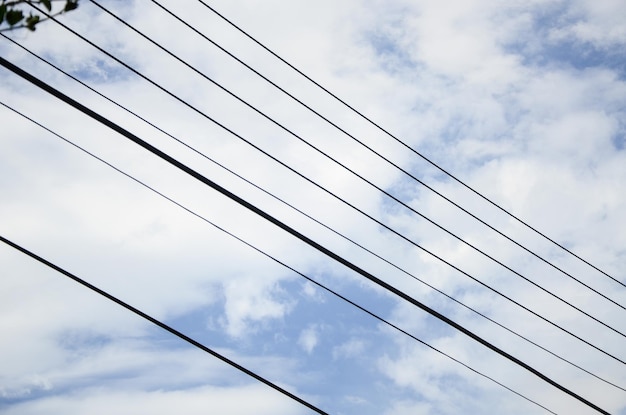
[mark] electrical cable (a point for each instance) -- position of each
(163, 326)
(313, 281)
(286, 204)
(206, 77)
(330, 193)
(203, 179)
(388, 161)
(422, 156)
(597, 320)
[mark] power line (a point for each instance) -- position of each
(422, 156)
(163, 326)
(330, 193)
(203, 179)
(283, 202)
(290, 132)
(371, 184)
(313, 281)
(378, 154)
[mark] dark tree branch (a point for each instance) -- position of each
(12, 14)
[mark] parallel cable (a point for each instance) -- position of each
(164, 326)
(378, 154)
(286, 204)
(414, 151)
(313, 281)
(329, 192)
(332, 255)
(597, 320)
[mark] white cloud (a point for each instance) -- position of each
(309, 338)
(596, 22)
(350, 349)
(250, 300)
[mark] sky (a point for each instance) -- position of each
(522, 101)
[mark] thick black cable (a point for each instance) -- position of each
(196, 175)
(283, 202)
(319, 284)
(163, 326)
(597, 320)
(388, 161)
(416, 152)
(327, 191)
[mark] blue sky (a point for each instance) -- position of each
(523, 101)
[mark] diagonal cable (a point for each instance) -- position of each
(411, 149)
(378, 154)
(164, 326)
(508, 268)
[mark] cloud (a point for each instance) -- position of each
(249, 301)
(193, 400)
(350, 349)
(594, 22)
(309, 339)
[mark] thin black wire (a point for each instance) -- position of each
(283, 202)
(378, 154)
(203, 179)
(422, 156)
(368, 181)
(327, 191)
(319, 284)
